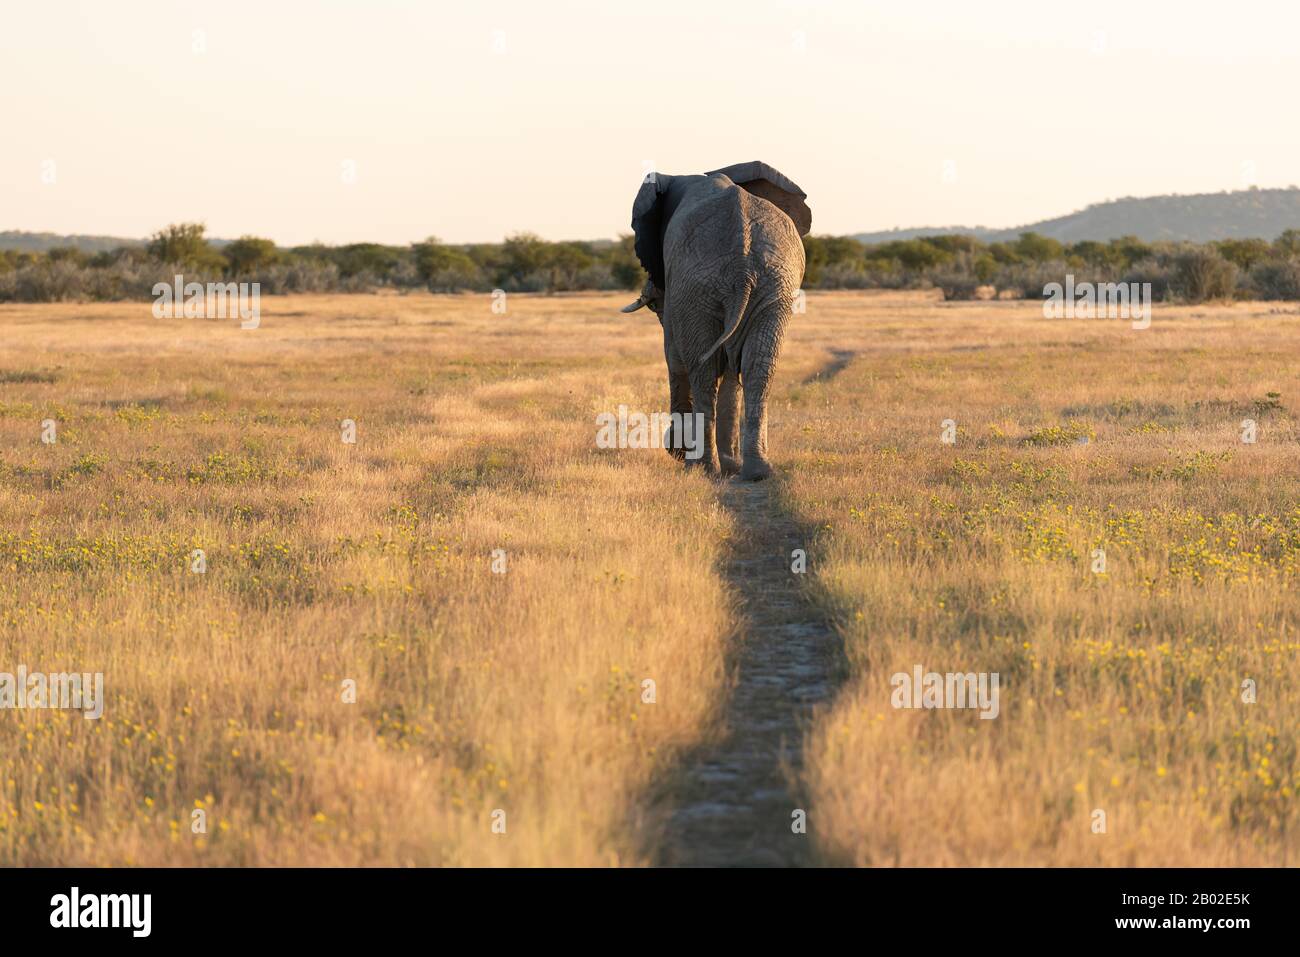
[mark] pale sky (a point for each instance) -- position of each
(473, 120)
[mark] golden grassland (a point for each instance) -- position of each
(327, 561)
(1122, 690)
(522, 692)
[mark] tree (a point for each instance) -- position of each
(443, 267)
(1244, 253)
(70, 254)
(1037, 248)
(373, 258)
(1004, 254)
(955, 243)
(912, 254)
(1288, 244)
(843, 251)
(248, 254)
(1092, 253)
(522, 255)
(183, 245)
(1130, 250)
(564, 262)
(1201, 274)
(623, 264)
(814, 258)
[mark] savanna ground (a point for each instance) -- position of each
(478, 692)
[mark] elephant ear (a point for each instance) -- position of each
(647, 225)
(775, 187)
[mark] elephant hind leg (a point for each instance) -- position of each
(729, 423)
(756, 369)
(704, 398)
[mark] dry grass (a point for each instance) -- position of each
(1121, 691)
(521, 692)
(329, 561)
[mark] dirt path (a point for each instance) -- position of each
(839, 361)
(734, 800)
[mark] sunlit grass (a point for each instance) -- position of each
(328, 562)
(1122, 682)
(1122, 685)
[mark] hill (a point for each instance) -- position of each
(43, 242)
(1200, 217)
(21, 241)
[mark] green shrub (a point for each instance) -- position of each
(1202, 274)
(1275, 279)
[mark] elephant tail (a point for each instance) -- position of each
(738, 313)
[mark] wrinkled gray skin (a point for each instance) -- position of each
(732, 263)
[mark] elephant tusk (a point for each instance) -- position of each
(634, 306)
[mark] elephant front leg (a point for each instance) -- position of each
(729, 423)
(679, 403)
(701, 449)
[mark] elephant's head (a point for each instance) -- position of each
(660, 195)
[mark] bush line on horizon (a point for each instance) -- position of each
(962, 267)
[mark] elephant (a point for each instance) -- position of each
(724, 257)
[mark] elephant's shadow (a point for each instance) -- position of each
(736, 799)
